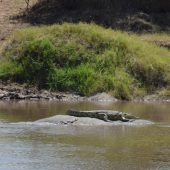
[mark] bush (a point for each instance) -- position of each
(82, 80)
(10, 71)
(36, 60)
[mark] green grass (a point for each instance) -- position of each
(86, 59)
(164, 37)
(9, 69)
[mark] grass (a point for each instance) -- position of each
(155, 37)
(86, 59)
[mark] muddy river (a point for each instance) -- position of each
(25, 145)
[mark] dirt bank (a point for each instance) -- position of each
(15, 91)
(8, 9)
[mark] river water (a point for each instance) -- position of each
(25, 145)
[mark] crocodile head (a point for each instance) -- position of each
(121, 116)
(129, 116)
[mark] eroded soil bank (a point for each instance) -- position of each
(15, 91)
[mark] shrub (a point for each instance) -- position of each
(10, 71)
(36, 61)
(82, 80)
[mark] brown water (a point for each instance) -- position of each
(29, 146)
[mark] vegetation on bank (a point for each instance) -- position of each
(85, 59)
(151, 37)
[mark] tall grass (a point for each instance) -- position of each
(86, 59)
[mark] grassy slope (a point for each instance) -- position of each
(156, 37)
(86, 59)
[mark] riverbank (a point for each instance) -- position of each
(19, 92)
(86, 59)
(14, 91)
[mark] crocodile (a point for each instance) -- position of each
(105, 115)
